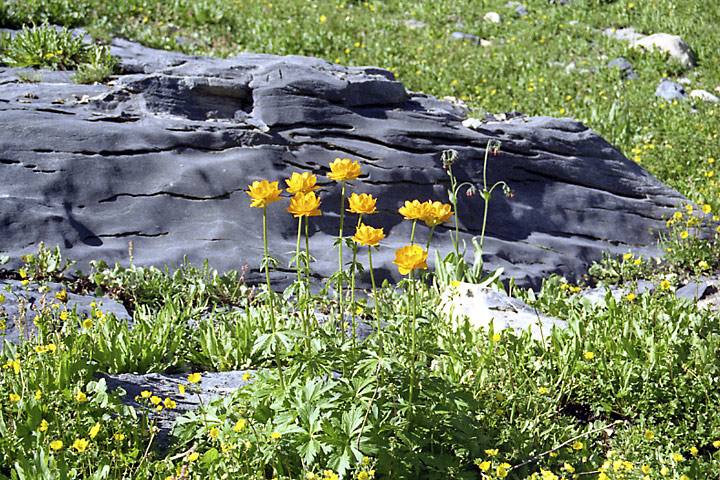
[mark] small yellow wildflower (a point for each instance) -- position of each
(496, 337)
(119, 437)
(589, 355)
(246, 376)
(80, 444)
(492, 452)
(56, 445)
(716, 444)
(274, 435)
(214, 432)
(263, 193)
(146, 394)
(87, 323)
(239, 425)
(194, 378)
(502, 470)
(677, 457)
(44, 425)
(81, 397)
(693, 450)
(181, 388)
(665, 285)
(485, 466)
(578, 445)
(410, 258)
(630, 297)
(94, 430)
(169, 403)
(344, 169)
(193, 456)
(38, 394)
(684, 234)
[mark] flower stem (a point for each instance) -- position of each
(413, 379)
(352, 288)
(270, 297)
(375, 297)
(340, 260)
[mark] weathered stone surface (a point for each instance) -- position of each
(22, 303)
(704, 95)
(670, 91)
(675, 46)
(163, 156)
(484, 306)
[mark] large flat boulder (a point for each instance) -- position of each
(162, 156)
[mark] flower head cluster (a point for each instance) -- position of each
(432, 213)
(362, 204)
(301, 183)
(263, 193)
(305, 205)
(365, 235)
(410, 258)
(344, 169)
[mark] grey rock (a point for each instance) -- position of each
(625, 66)
(212, 385)
(670, 91)
(23, 303)
(520, 9)
(413, 24)
(467, 37)
(484, 306)
(599, 294)
(675, 46)
(694, 290)
(163, 156)
(704, 95)
(626, 34)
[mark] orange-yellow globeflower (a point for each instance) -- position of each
(344, 169)
(305, 205)
(263, 193)
(436, 213)
(301, 183)
(363, 204)
(365, 235)
(410, 258)
(413, 210)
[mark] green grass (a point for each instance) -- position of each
(630, 386)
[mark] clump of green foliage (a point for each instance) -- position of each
(57, 49)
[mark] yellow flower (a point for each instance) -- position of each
(703, 265)
(363, 475)
(246, 376)
(38, 394)
(665, 285)
(716, 444)
(646, 469)
(365, 235)
(630, 297)
(578, 446)
(23, 273)
(87, 323)
(677, 215)
(274, 435)
(627, 256)
(239, 425)
(436, 213)
(169, 403)
(263, 193)
(63, 316)
(649, 434)
(542, 390)
(214, 432)
(181, 388)
(664, 471)
(80, 397)
(194, 378)
(62, 296)
(496, 337)
(146, 394)
(193, 456)
(684, 234)
(568, 468)
(155, 400)
(305, 205)
(363, 204)
(706, 208)
(80, 445)
(301, 183)
(412, 210)
(44, 425)
(637, 261)
(56, 445)
(589, 355)
(677, 457)
(119, 437)
(502, 471)
(94, 430)
(693, 450)
(344, 169)
(410, 258)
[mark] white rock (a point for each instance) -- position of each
(493, 17)
(483, 306)
(628, 34)
(672, 44)
(684, 81)
(472, 123)
(705, 95)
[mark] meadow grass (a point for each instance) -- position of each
(629, 390)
